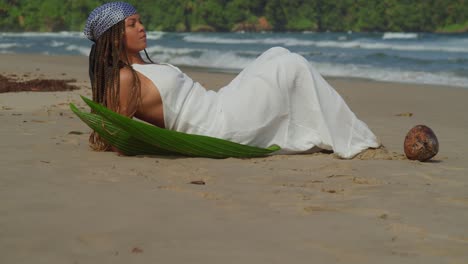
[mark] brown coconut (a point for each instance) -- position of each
(421, 143)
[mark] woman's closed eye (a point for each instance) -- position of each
(133, 24)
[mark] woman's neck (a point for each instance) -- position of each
(135, 58)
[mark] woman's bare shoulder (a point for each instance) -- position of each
(126, 78)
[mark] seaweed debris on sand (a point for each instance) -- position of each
(35, 85)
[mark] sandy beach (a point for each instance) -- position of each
(60, 202)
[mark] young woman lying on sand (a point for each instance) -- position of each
(278, 99)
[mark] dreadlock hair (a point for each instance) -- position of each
(108, 55)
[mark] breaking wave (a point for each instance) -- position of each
(352, 44)
(399, 35)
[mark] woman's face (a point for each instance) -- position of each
(135, 35)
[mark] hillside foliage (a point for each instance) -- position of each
(249, 15)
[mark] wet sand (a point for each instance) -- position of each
(60, 202)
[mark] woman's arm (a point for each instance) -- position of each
(126, 107)
(127, 83)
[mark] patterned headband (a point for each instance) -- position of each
(104, 17)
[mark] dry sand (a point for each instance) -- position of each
(60, 202)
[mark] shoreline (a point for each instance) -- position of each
(81, 58)
(62, 202)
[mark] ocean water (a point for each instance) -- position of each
(422, 58)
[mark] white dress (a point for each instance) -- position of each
(278, 99)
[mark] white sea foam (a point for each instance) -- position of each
(43, 34)
(399, 35)
(154, 35)
(205, 57)
(81, 49)
(220, 60)
(391, 75)
(14, 45)
(55, 43)
(173, 51)
(268, 41)
(362, 44)
(384, 46)
(7, 45)
(218, 40)
(354, 44)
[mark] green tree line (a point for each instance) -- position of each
(249, 15)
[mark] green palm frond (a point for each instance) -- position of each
(147, 137)
(117, 137)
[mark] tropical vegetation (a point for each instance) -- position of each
(249, 15)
